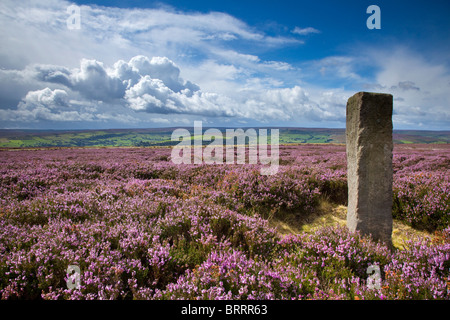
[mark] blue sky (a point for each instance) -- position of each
(226, 63)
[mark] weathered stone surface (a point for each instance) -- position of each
(369, 164)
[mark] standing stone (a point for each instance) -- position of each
(369, 164)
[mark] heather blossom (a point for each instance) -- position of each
(141, 227)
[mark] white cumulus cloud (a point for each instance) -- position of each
(305, 31)
(46, 104)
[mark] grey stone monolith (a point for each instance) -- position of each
(369, 165)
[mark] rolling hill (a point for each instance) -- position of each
(162, 137)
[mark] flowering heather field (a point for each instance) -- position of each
(140, 227)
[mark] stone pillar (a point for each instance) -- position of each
(369, 164)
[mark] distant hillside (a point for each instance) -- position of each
(162, 137)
